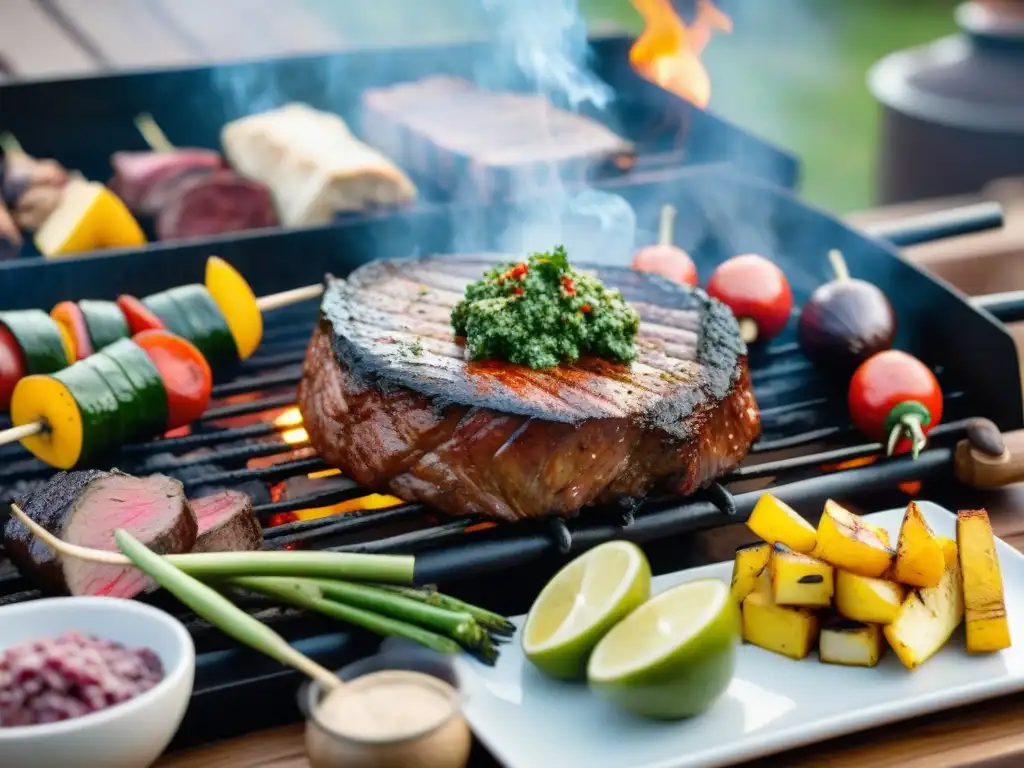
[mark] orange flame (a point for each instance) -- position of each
(292, 418)
(668, 51)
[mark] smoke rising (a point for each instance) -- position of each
(545, 42)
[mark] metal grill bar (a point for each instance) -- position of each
(266, 474)
(245, 409)
(256, 384)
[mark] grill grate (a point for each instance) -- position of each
(220, 453)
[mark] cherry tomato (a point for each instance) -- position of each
(138, 315)
(757, 292)
(186, 375)
(895, 399)
(69, 316)
(668, 261)
(12, 366)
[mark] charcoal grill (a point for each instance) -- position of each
(237, 444)
(81, 122)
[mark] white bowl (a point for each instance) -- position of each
(132, 734)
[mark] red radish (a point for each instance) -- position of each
(895, 399)
(757, 292)
(666, 259)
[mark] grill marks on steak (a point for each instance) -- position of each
(85, 508)
(689, 346)
(506, 441)
(226, 523)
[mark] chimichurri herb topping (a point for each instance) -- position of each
(542, 312)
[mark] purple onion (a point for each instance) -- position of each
(845, 321)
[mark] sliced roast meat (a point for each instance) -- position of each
(135, 173)
(215, 204)
(505, 441)
(153, 509)
(85, 508)
(226, 523)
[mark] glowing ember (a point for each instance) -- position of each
(863, 461)
(373, 501)
(292, 418)
(668, 51)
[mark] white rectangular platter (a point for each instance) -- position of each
(773, 703)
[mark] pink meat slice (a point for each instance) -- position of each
(135, 173)
(227, 523)
(215, 204)
(153, 509)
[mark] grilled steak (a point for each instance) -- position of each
(418, 421)
(452, 132)
(86, 508)
(226, 523)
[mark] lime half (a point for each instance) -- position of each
(673, 656)
(581, 603)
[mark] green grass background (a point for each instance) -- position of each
(793, 71)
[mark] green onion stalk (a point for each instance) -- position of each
(490, 621)
(219, 611)
(348, 566)
(300, 593)
(460, 626)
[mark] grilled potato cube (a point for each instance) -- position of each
(926, 619)
(867, 600)
(845, 541)
(799, 579)
(750, 560)
(949, 550)
(778, 523)
(984, 603)
(850, 643)
(778, 628)
(919, 557)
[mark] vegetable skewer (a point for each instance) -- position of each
(222, 318)
(664, 258)
(132, 388)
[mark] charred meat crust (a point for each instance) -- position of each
(467, 460)
(690, 349)
(85, 507)
(50, 506)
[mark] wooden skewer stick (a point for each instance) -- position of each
(14, 434)
(152, 133)
(10, 144)
(667, 225)
(293, 296)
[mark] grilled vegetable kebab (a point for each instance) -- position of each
(131, 389)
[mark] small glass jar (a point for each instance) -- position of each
(399, 709)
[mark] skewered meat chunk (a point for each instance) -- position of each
(137, 174)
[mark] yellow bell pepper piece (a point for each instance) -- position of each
(89, 217)
(237, 303)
